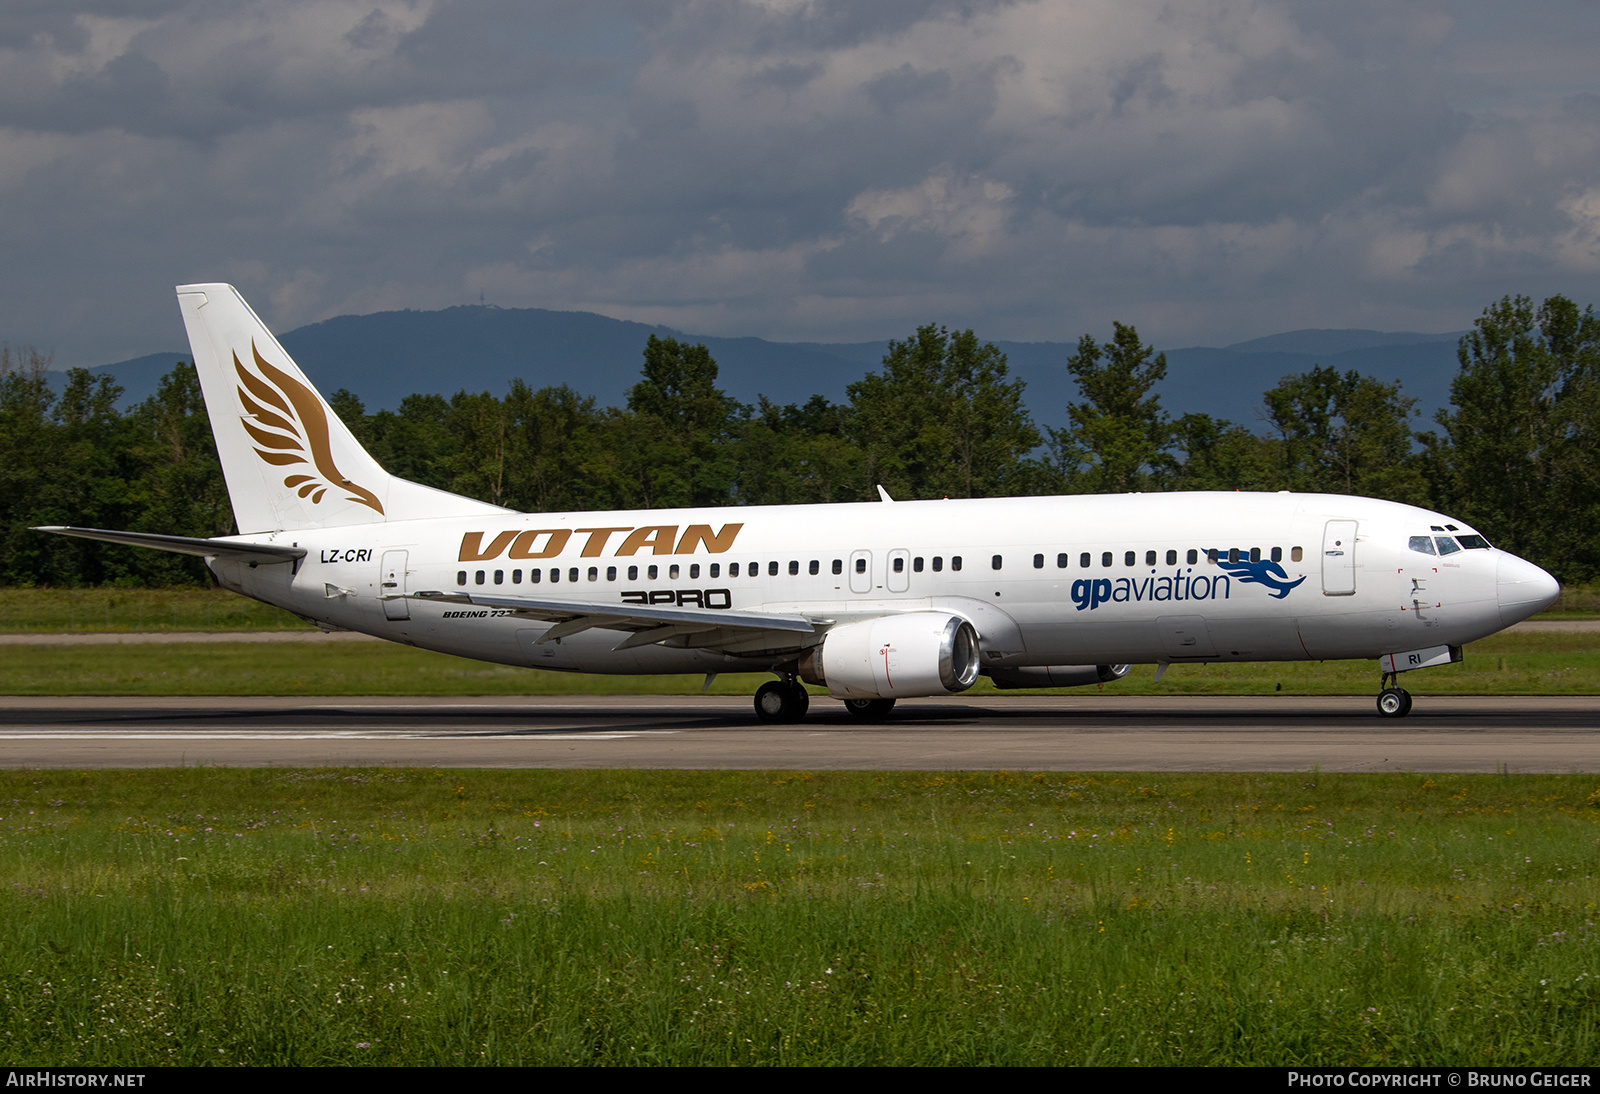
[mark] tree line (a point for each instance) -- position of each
(1515, 453)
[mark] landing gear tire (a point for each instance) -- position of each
(1394, 702)
(781, 701)
(869, 710)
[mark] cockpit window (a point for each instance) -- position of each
(1447, 546)
(1423, 544)
(1474, 543)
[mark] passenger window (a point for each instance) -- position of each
(461, 577)
(478, 577)
(1255, 554)
(555, 575)
(651, 572)
(1193, 556)
(535, 575)
(733, 569)
(1447, 546)
(994, 562)
(754, 569)
(1038, 562)
(499, 577)
(1105, 559)
(594, 573)
(1149, 558)
(672, 572)
(916, 564)
(794, 567)
(938, 563)
(1211, 556)
(633, 573)
(572, 574)
(838, 565)
(1172, 558)
(1277, 554)
(1130, 558)
(861, 565)
(716, 569)
(899, 565)
(1061, 561)
(772, 568)
(955, 562)
(611, 573)
(1296, 554)
(516, 577)
(694, 570)
(815, 568)
(1233, 554)
(1423, 544)
(1083, 561)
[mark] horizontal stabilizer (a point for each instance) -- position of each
(188, 545)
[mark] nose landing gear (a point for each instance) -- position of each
(1393, 701)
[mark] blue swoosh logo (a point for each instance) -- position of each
(1265, 572)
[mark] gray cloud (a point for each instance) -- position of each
(1210, 171)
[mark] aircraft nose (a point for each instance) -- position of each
(1523, 589)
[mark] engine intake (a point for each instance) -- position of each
(895, 656)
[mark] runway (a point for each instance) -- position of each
(1092, 733)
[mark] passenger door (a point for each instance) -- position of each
(1339, 558)
(391, 582)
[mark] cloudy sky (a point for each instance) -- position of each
(1209, 170)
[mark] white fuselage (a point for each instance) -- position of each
(1348, 583)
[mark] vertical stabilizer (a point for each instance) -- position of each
(289, 461)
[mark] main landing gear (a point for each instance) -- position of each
(786, 701)
(869, 710)
(1393, 701)
(782, 700)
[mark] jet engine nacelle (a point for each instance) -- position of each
(895, 656)
(1057, 676)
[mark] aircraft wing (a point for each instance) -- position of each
(187, 545)
(650, 623)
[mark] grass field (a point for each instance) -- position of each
(336, 917)
(535, 917)
(47, 611)
(1560, 663)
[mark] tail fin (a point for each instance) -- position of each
(289, 461)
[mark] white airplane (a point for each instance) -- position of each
(874, 601)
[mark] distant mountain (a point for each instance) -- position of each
(388, 355)
(1329, 342)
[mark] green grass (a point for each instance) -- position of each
(1575, 602)
(1562, 663)
(113, 609)
(535, 917)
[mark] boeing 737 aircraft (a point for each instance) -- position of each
(873, 601)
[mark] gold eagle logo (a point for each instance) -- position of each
(289, 428)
